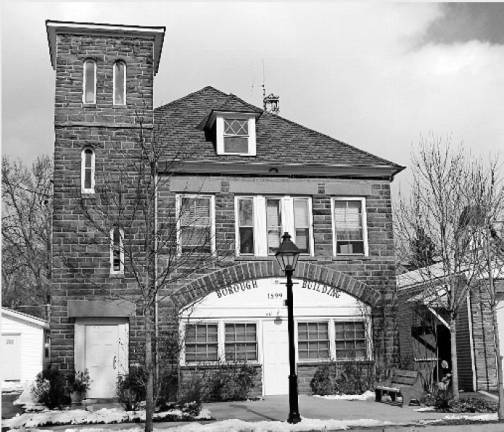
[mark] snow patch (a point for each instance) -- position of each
(367, 395)
(12, 386)
(426, 409)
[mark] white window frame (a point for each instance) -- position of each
(310, 320)
(221, 339)
(363, 222)
(178, 206)
(121, 252)
(366, 319)
(85, 190)
(84, 82)
(219, 130)
(260, 227)
(114, 83)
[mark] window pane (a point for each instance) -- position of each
(241, 342)
(89, 81)
(235, 144)
(313, 340)
(245, 209)
(274, 223)
(201, 342)
(119, 84)
(236, 127)
(246, 240)
(350, 340)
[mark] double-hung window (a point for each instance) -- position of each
(235, 134)
(87, 170)
(119, 79)
(201, 343)
(240, 342)
(89, 82)
(262, 220)
(350, 340)
(116, 251)
(349, 226)
(195, 217)
(313, 341)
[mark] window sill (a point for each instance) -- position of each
(351, 258)
(270, 258)
(117, 275)
(216, 365)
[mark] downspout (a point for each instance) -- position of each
(156, 307)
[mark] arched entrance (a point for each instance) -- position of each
(243, 318)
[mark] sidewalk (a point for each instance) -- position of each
(275, 408)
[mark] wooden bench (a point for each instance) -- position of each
(406, 383)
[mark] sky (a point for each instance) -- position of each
(378, 75)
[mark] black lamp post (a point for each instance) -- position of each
(287, 256)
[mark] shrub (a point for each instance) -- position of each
(78, 382)
(232, 382)
(167, 390)
(131, 388)
(348, 378)
(50, 388)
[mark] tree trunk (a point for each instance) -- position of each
(498, 356)
(149, 394)
(454, 367)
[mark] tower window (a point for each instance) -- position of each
(89, 82)
(87, 170)
(119, 83)
(116, 251)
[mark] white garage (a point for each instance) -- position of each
(23, 339)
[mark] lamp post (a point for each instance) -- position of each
(287, 256)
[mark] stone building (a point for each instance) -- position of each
(246, 176)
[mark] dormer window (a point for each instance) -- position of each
(235, 134)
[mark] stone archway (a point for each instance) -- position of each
(211, 282)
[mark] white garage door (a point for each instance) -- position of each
(500, 323)
(11, 356)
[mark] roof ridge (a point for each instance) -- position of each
(187, 96)
(334, 139)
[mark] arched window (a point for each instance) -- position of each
(87, 170)
(119, 83)
(116, 251)
(89, 82)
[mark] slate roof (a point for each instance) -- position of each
(178, 125)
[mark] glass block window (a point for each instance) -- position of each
(236, 135)
(350, 340)
(273, 224)
(246, 225)
(241, 342)
(201, 343)
(348, 227)
(89, 82)
(302, 224)
(119, 83)
(313, 341)
(195, 224)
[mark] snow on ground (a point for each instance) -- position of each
(104, 415)
(12, 386)
(426, 409)
(367, 395)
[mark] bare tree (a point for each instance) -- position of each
(158, 248)
(484, 221)
(26, 233)
(436, 208)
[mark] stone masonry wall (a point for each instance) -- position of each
(81, 257)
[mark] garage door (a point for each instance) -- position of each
(11, 357)
(500, 323)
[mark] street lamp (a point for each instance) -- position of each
(287, 256)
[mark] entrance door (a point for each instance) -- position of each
(500, 324)
(101, 359)
(275, 358)
(11, 357)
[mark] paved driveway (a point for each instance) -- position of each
(277, 408)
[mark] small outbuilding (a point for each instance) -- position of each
(23, 346)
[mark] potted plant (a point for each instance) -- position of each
(78, 385)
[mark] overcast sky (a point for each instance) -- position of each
(375, 75)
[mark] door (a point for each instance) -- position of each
(500, 324)
(275, 357)
(101, 359)
(11, 357)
